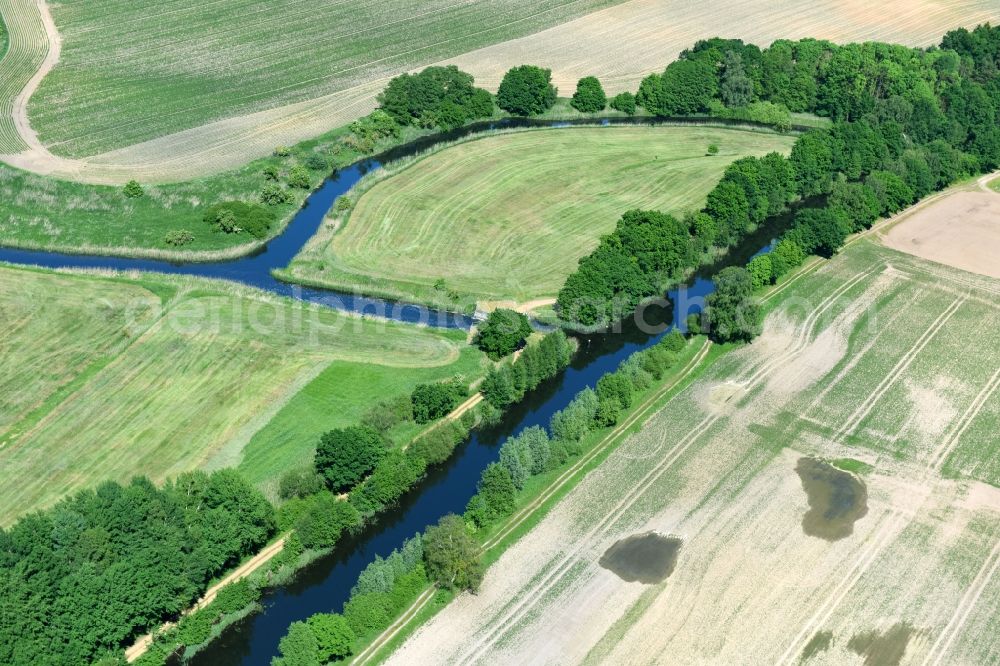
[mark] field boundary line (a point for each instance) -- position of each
(397, 626)
(965, 606)
(854, 420)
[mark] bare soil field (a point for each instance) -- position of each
(874, 363)
(620, 44)
(962, 230)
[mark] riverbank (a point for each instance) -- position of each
(544, 491)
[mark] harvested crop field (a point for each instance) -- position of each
(507, 217)
(877, 361)
(116, 130)
(960, 230)
(106, 378)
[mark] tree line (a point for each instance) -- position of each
(907, 122)
(448, 554)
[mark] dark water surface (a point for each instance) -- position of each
(837, 499)
(325, 585)
(644, 558)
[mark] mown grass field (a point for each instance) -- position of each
(134, 70)
(506, 217)
(106, 378)
(878, 357)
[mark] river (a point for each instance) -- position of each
(325, 584)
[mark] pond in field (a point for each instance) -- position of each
(325, 585)
(642, 558)
(837, 499)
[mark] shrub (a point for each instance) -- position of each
(503, 332)
(345, 455)
(526, 91)
(273, 194)
(574, 422)
(393, 476)
(386, 414)
(624, 102)
(236, 216)
(325, 520)
(271, 173)
(178, 237)
(713, 149)
(374, 127)
(300, 482)
(298, 176)
(298, 647)
(437, 445)
(132, 190)
(343, 204)
(589, 96)
(761, 271)
(282, 151)
(317, 162)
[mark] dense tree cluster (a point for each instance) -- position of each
(83, 578)
(502, 333)
(441, 97)
(526, 91)
(906, 122)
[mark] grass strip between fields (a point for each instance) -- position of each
(542, 492)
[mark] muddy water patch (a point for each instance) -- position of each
(644, 558)
(882, 649)
(837, 499)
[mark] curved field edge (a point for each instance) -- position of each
(132, 362)
(477, 200)
(26, 48)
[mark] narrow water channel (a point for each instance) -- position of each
(325, 585)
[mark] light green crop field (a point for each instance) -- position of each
(878, 357)
(109, 377)
(507, 217)
(132, 70)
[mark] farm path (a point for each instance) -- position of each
(253, 564)
(660, 29)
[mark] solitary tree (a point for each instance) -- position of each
(502, 332)
(624, 102)
(526, 91)
(451, 556)
(589, 96)
(345, 455)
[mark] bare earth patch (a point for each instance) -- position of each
(961, 230)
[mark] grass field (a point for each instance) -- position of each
(134, 70)
(506, 217)
(105, 378)
(877, 357)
